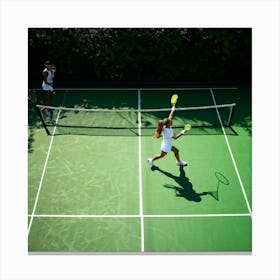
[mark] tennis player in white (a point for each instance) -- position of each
(47, 85)
(165, 129)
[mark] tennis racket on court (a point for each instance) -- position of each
(174, 99)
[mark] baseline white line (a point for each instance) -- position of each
(83, 216)
(231, 155)
(101, 216)
(140, 172)
(196, 215)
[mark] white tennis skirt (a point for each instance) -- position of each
(47, 87)
(166, 147)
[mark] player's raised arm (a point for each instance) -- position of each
(174, 99)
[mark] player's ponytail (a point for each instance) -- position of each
(159, 128)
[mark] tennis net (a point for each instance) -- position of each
(137, 122)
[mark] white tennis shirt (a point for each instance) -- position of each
(50, 77)
(166, 144)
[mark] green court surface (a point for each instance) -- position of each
(92, 190)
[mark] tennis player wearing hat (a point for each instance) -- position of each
(47, 85)
(164, 129)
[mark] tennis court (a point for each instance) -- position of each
(90, 188)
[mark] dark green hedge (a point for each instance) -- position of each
(141, 55)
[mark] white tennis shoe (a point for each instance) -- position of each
(151, 162)
(181, 163)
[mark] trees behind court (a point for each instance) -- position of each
(140, 55)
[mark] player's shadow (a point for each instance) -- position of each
(186, 188)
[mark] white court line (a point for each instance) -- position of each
(45, 166)
(42, 176)
(140, 172)
(101, 216)
(196, 215)
(231, 155)
(83, 216)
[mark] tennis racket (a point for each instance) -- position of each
(187, 127)
(174, 99)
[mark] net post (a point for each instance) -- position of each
(42, 120)
(232, 109)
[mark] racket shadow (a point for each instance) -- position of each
(221, 180)
(185, 188)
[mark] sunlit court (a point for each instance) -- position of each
(91, 189)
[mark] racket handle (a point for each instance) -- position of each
(173, 107)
